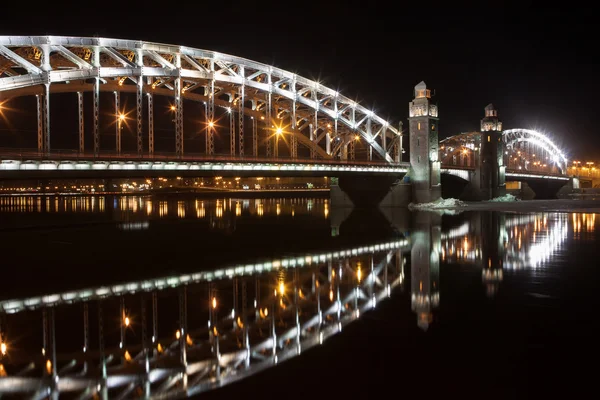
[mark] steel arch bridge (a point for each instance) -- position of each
(239, 96)
(526, 150)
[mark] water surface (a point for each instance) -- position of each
(478, 304)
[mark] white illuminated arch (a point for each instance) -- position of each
(118, 60)
(511, 136)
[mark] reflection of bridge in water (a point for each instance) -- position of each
(188, 333)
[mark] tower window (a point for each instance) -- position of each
(489, 138)
(418, 142)
(419, 126)
(433, 127)
(419, 159)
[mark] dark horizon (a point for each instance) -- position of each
(534, 65)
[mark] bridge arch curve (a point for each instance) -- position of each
(312, 114)
(458, 150)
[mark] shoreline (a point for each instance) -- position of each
(555, 205)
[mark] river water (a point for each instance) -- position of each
(469, 304)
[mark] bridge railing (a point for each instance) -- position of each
(74, 155)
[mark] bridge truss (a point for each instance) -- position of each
(241, 99)
(526, 150)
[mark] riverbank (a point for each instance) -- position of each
(559, 205)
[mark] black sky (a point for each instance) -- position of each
(536, 63)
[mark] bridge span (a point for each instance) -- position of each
(253, 118)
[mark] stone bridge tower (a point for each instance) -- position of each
(423, 131)
(490, 174)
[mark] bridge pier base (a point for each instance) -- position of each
(369, 191)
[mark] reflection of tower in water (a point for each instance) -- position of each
(425, 266)
(492, 225)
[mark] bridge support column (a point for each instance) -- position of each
(489, 177)
(210, 118)
(46, 118)
(178, 118)
(150, 125)
(119, 121)
(81, 122)
(241, 116)
(424, 165)
(139, 103)
(425, 265)
(40, 123)
(96, 105)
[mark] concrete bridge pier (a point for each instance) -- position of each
(424, 173)
(488, 180)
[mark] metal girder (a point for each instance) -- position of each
(69, 55)
(259, 77)
(20, 61)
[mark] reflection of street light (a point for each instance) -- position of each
(172, 108)
(121, 117)
(279, 131)
(211, 124)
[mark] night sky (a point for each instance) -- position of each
(536, 64)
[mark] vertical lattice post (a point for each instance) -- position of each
(81, 122)
(40, 123)
(232, 138)
(254, 138)
(241, 100)
(268, 122)
(313, 134)
(96, 105)
(46, 118)
(178, 119)
(293, 127)
(210, 129)
(384, 138)
(96, 100)
(150, 125)
(370, 136)
(118, 124)
(139, 101)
